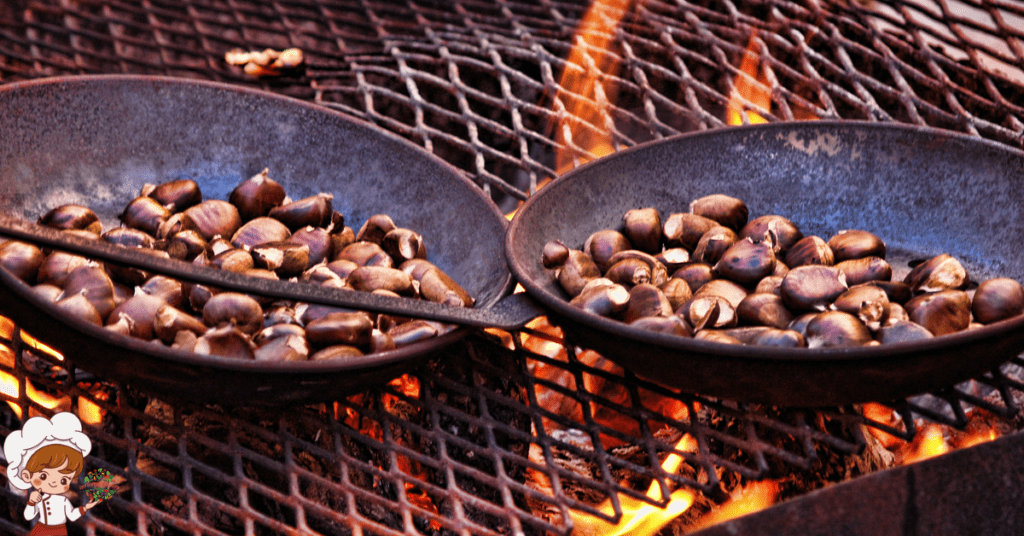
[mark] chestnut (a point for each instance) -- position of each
(713, 244)
(642, 226)
(646, 300)
(185, 245)
(707, 312)
(727, 211)
(684, 230)
(351, 328)
(629, 272)
(317, 239)
(314, 210)
(412, 332)
(437, 286)
(764, 309)
(168, 321)
(257, 196)
(175, 195)
(577, 270)
(146, 214)
(370, 278)
(836, 329)
(365, 254)
(404, 244)
(997, 299)
(260, 230)
(778, 231)
(72, 217)
(672, 325)
(696, 274)
(941, 272)
(812, 287)
(22, 259)
(554, 254)
(864, 269)
(375, 228)
(140, 311)
(942, 312)
(233, 308)
(810, 250)
(602, 245)
(856, 244)
(746, 262)
(213, 218)
(867, 302)
(677, 291)
(225, 341)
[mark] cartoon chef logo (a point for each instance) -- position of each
(46, 456)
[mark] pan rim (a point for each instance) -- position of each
(561, 306)
(191, 359)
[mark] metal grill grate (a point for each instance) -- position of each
(479, 84)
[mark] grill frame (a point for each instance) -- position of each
(434, 74)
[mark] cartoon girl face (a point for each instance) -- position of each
(50, 480)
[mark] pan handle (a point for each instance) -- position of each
(511, 313)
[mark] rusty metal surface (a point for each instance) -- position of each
(479, 84)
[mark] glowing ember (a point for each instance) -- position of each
(928, 443)
(89, 412)
(882, 415)
(638, 517)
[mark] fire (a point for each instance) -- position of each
(932, 439)
(638, 517)
(585, 123)
(750, 86)
(928, 444)
(751, 498)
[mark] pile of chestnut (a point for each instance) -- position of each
(258, 231)
(712, 274)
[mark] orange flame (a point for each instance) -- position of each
(752, 498)
(584, 124)
(638, 517)
(750, 85)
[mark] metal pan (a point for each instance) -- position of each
(924, 191)
(96, 140)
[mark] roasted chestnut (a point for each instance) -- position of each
(780, 232)
(602, 245)
(257, 196)
(836, 329)
(72, 217)
(997, 299)
(941, 272)
(176, 195)
(684, 230)
(725, 210)
(810, 250)
(642, 226)
(856, 244)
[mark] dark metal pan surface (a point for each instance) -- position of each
(924, 191)
(96, 140)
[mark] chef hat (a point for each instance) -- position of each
(38, 432)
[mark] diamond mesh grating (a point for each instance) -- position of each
(477, 450)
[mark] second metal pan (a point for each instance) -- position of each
(924, 191)
(96, 140)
